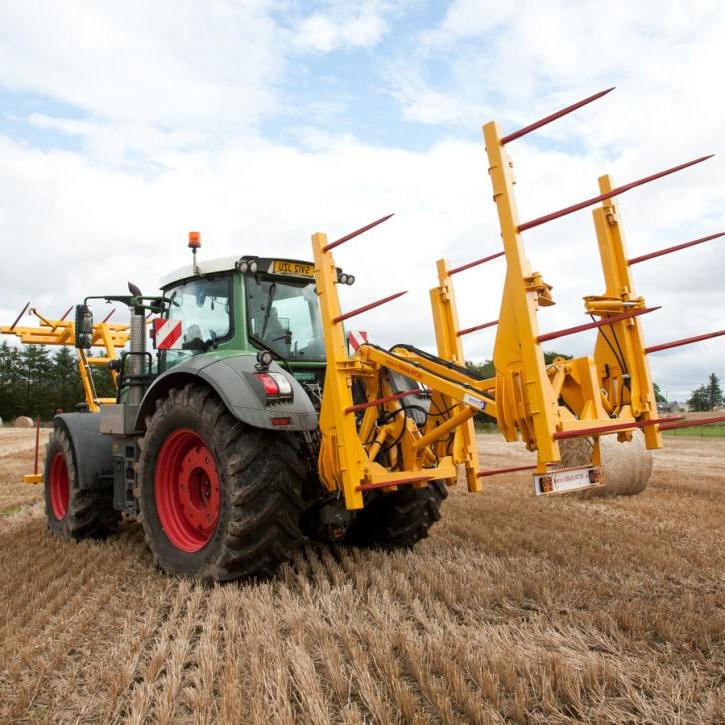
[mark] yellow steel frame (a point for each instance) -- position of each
(110, 337)
(350, 445)
(535, 400)
(529, 399)
(450, 347)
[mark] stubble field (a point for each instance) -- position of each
(515, 608)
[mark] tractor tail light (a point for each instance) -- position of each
(275, 385)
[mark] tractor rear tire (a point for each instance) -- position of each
(219, 500)
(397, 520)
(72, 512)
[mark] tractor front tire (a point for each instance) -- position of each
(219, 500)
(397, 520)
(72, 512)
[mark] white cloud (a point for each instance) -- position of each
(176, 63)
(324, 33)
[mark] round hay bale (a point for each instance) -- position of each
(22, 421)
(626, 467)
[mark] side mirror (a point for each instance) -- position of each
(84, 327)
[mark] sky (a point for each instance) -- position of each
(259, 122)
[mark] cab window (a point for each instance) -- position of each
(204, 307)
(285, 317)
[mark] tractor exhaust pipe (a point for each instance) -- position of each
(137, 344)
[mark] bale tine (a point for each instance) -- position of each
(365, 308)
(676, 248)
(108, 316)
(356, 233)
(497, 471)
(476, 328)
(609, 194)
(65, 314)
(17, 319)
(475, 263)
(692, 423)
(548, 119)
(685, 341)
(597, 430)
(593, 325)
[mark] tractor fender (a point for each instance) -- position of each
(91, 450)
(232, 377)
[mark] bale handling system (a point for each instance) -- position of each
(250, 434)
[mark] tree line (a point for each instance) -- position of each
(708, 396)
(36, 381)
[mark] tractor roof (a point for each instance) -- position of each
(289, 268)
(208, 266)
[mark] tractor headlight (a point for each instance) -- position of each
(243, 266)
(342, 278)
(253, 267)
(350, 279)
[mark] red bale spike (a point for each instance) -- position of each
(676, 248)
(356, 233)
(476, 328)
(365, 308)
(548, 119)
(108, 316)
(497, 471)
(37, 445)
(593, 325)
(594, 430)
(609, 194)
(65, 314)
(694, 423)
(483, 260)
(17, 319)
(685, 341)
(380, 401)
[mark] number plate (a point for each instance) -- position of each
(567, 479)
(295, 269)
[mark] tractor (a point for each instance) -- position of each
(261, 421)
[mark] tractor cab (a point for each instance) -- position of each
(244, 304)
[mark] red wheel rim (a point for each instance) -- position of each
(59, 487)
(186, 486)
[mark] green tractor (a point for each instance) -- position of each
(213, 442)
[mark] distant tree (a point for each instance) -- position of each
(67, 389)
(714, 392)
(698, 400)
(35, 370)
(10, 381)
(707, 396)
(658, 394)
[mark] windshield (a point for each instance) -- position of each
(203, 305)
(285, 317)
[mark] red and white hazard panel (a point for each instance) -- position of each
(167, 334)
(356, 338)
